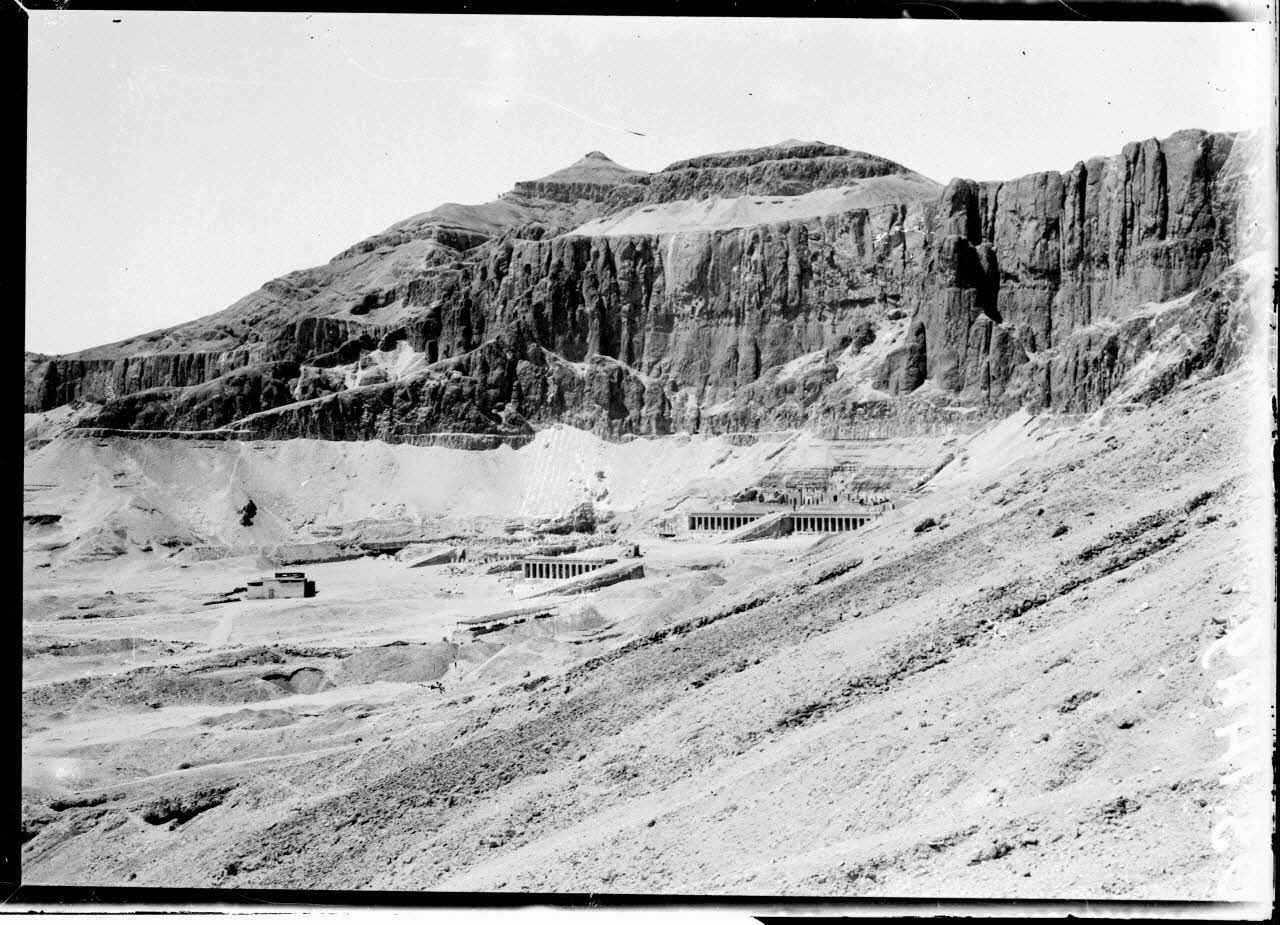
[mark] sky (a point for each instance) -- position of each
(177, 161)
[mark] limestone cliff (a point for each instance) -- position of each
(1013, 269)
(796, 285)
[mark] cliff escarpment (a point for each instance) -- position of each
(1013, 270)
(799, 285)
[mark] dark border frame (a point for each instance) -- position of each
(13, 98)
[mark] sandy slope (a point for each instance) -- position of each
(981, 708)
(123, 495)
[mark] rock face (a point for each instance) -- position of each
(1014, 270)
(893, 302)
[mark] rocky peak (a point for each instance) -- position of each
(788, 168)
(591, 177)
(783, 150)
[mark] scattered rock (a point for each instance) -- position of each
(1120, 806)
(1075, 700)
(1198, 501)
(994, 851)
(178, 810)
(64, 803)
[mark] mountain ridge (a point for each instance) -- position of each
(534, 308)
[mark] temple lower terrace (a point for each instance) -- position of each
(798, 522)
(559, 567)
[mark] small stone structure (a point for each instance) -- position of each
(560, 567)
(282, 584)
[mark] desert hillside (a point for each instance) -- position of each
(1014, 701)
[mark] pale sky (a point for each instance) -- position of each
(177, 161)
